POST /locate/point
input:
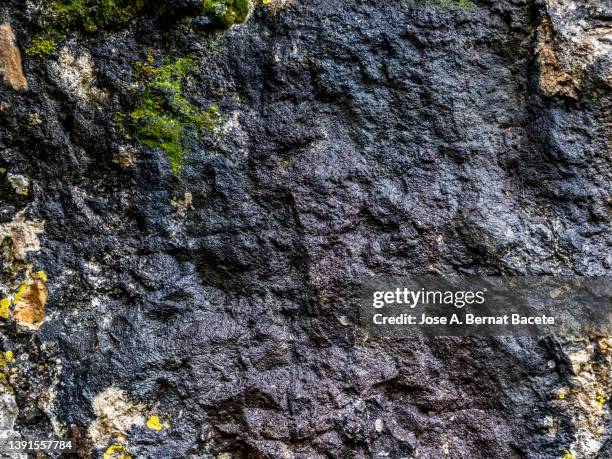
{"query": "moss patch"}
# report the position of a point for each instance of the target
(42, 46)
(6, 358)
(164, 117)
(226, 12)
(91, 15)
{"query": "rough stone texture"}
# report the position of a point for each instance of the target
(358, 138)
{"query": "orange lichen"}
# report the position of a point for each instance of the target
(30, 301)
(10, 59)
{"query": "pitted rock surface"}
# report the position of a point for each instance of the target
(356, 138)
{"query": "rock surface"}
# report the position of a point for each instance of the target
(353, 138)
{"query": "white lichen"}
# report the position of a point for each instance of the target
(115, 415)
(76, 73)
(22, 235)
(19, 183)
(586, 401)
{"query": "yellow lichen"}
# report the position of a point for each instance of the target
(567, 455)
(5, 304)
(6, 359)
(42, 275)
(117, 452)
(276, 5)
(601, 401)
(563, 392)
(22, 289)
(154, 424)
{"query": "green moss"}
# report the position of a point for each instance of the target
(164, 118)
(42, 46)
(226, 12)
(465, 5)
(92, 15)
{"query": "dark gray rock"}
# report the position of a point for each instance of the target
(359, 138)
